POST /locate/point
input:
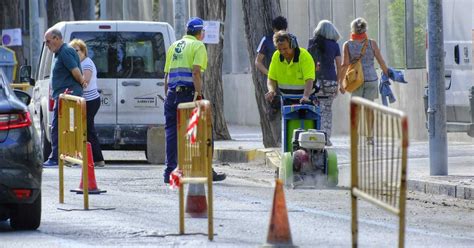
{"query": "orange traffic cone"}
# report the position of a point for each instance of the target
(196, 204)
(91, 175)
(279, 234)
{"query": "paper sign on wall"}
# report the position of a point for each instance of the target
(212, 33)
(11, 37)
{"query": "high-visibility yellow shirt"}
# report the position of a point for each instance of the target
(291, 76)
(181, 56)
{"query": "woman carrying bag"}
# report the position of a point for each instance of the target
(360, 47)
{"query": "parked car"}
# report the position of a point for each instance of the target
(130, 58)
(20, 160)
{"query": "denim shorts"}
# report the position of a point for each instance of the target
(368, 90)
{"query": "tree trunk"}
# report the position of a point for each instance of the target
(10, 18)
(214, 10)
(258, 16)
(58, 10)
(82, 9)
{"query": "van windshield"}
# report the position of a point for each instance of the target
(125, 54)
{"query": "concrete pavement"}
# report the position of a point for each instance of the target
(247, 146)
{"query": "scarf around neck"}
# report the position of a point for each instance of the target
(355, 36)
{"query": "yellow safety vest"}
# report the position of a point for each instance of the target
(291, 77)
(181, 56)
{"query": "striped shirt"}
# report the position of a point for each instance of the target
(90, 93)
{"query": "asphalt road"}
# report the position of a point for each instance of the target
(138, 210)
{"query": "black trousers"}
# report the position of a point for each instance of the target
(92, 108)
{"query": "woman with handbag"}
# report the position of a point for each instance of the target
(362, 49)
(326, 54)
(365, 49)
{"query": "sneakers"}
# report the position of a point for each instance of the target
(166, 178)
(50, 163)
(216, 177)
(99, 164)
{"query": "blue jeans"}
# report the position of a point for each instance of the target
(92, 109)
(54, 133)
(173, 98)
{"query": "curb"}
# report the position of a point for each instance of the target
(229, 155)
(435, 186)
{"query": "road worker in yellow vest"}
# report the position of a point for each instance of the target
(292, 70)
(186, 60)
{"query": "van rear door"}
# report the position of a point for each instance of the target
(140, 84)
(100, 39)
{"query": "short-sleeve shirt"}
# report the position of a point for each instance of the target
(291, 77)
(65, 60)
(327, 69)
(90, 92)
(181, 56)
(267, 48)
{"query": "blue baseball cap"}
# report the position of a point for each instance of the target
(195, 24)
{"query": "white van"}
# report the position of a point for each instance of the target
(458, 32)
(130, 58)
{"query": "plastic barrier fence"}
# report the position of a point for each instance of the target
(72, 137)
(195, 153)
(379, 142)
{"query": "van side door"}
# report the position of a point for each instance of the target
(140, 84)
(457, 29)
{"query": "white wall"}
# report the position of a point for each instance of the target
(240, 105)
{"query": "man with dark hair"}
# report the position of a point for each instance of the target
(266, 48)
(186, 59)
(67, 75)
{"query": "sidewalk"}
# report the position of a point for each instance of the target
(247, 146)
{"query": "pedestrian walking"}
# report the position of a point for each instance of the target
(326, 54)
(365, 49)
(265, 51)
(92, 96)
(186, 60)
(66, 76)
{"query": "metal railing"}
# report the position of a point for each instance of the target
(72, 140)
(379, 143)
(195, 158)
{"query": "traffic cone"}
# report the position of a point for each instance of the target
(279, 234)
(196, 204)
(91, 175)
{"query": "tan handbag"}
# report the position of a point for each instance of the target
(354, 77)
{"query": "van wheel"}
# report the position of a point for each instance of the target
(45, 144)
(27, 216)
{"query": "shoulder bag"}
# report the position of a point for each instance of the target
(354, 77)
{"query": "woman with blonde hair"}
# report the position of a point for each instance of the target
(327, 58)
(353, 50)
(92, 96)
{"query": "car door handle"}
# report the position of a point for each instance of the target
(131, 83)
(160, 83)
